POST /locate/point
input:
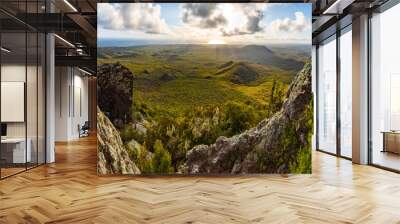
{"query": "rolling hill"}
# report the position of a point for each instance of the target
(238, 72)
(176, 77)
(259, 54)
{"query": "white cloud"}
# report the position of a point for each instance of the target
(233, 23)
(202, 15)
(145, 17)
(299, 24)
(226, 19)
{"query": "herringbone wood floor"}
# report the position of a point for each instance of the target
(69, 191)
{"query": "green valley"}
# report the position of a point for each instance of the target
(176, 77)
(188, 95)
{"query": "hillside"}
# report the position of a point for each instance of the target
(165, 100)
(243, 72)
(258, 54)
(280, 144)
(239, 73)
(229, 137)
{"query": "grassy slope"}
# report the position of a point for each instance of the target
(197, 77)
(182, 94)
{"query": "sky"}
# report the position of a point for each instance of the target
(204, 23)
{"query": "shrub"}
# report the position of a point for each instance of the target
(200, 125)
(144, 162)
(239, 117)
(161, 159)
(129, 133)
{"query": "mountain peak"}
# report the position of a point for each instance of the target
(257, 47)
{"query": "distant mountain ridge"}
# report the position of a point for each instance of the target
(262, 55)
(259, 54)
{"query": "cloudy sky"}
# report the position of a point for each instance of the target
(205, 23)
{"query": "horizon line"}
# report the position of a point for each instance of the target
(226, 44)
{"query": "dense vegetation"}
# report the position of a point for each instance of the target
(185, 96)
(170, 136)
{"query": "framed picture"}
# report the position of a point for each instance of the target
(204, 88)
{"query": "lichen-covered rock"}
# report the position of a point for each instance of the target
(114, 92)
(280, 144)
(112, 155)
(140, 127)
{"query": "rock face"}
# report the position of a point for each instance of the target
(112, 155)
(115, 92)
(274, 146)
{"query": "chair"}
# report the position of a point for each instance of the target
(84, 130)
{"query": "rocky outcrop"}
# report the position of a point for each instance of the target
(115, 92)
(112, 155)
(274, 146)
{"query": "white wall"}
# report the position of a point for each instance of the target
(80, 110)
(71, 87)
(33, 126)
(10, 73)
(16, 73)
(62, 81)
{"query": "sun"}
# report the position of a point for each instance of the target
(215, 42)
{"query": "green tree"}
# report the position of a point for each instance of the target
(239, 117)
(144, 161)
(129, 132)
(161, 159)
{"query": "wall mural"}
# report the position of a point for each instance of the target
(204, 88)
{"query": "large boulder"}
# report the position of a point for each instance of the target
(273, 146)
(115, 92)
(112, 155)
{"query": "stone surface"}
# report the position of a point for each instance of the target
(115, 92)
(112, 155)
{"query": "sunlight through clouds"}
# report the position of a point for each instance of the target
(202, 22)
